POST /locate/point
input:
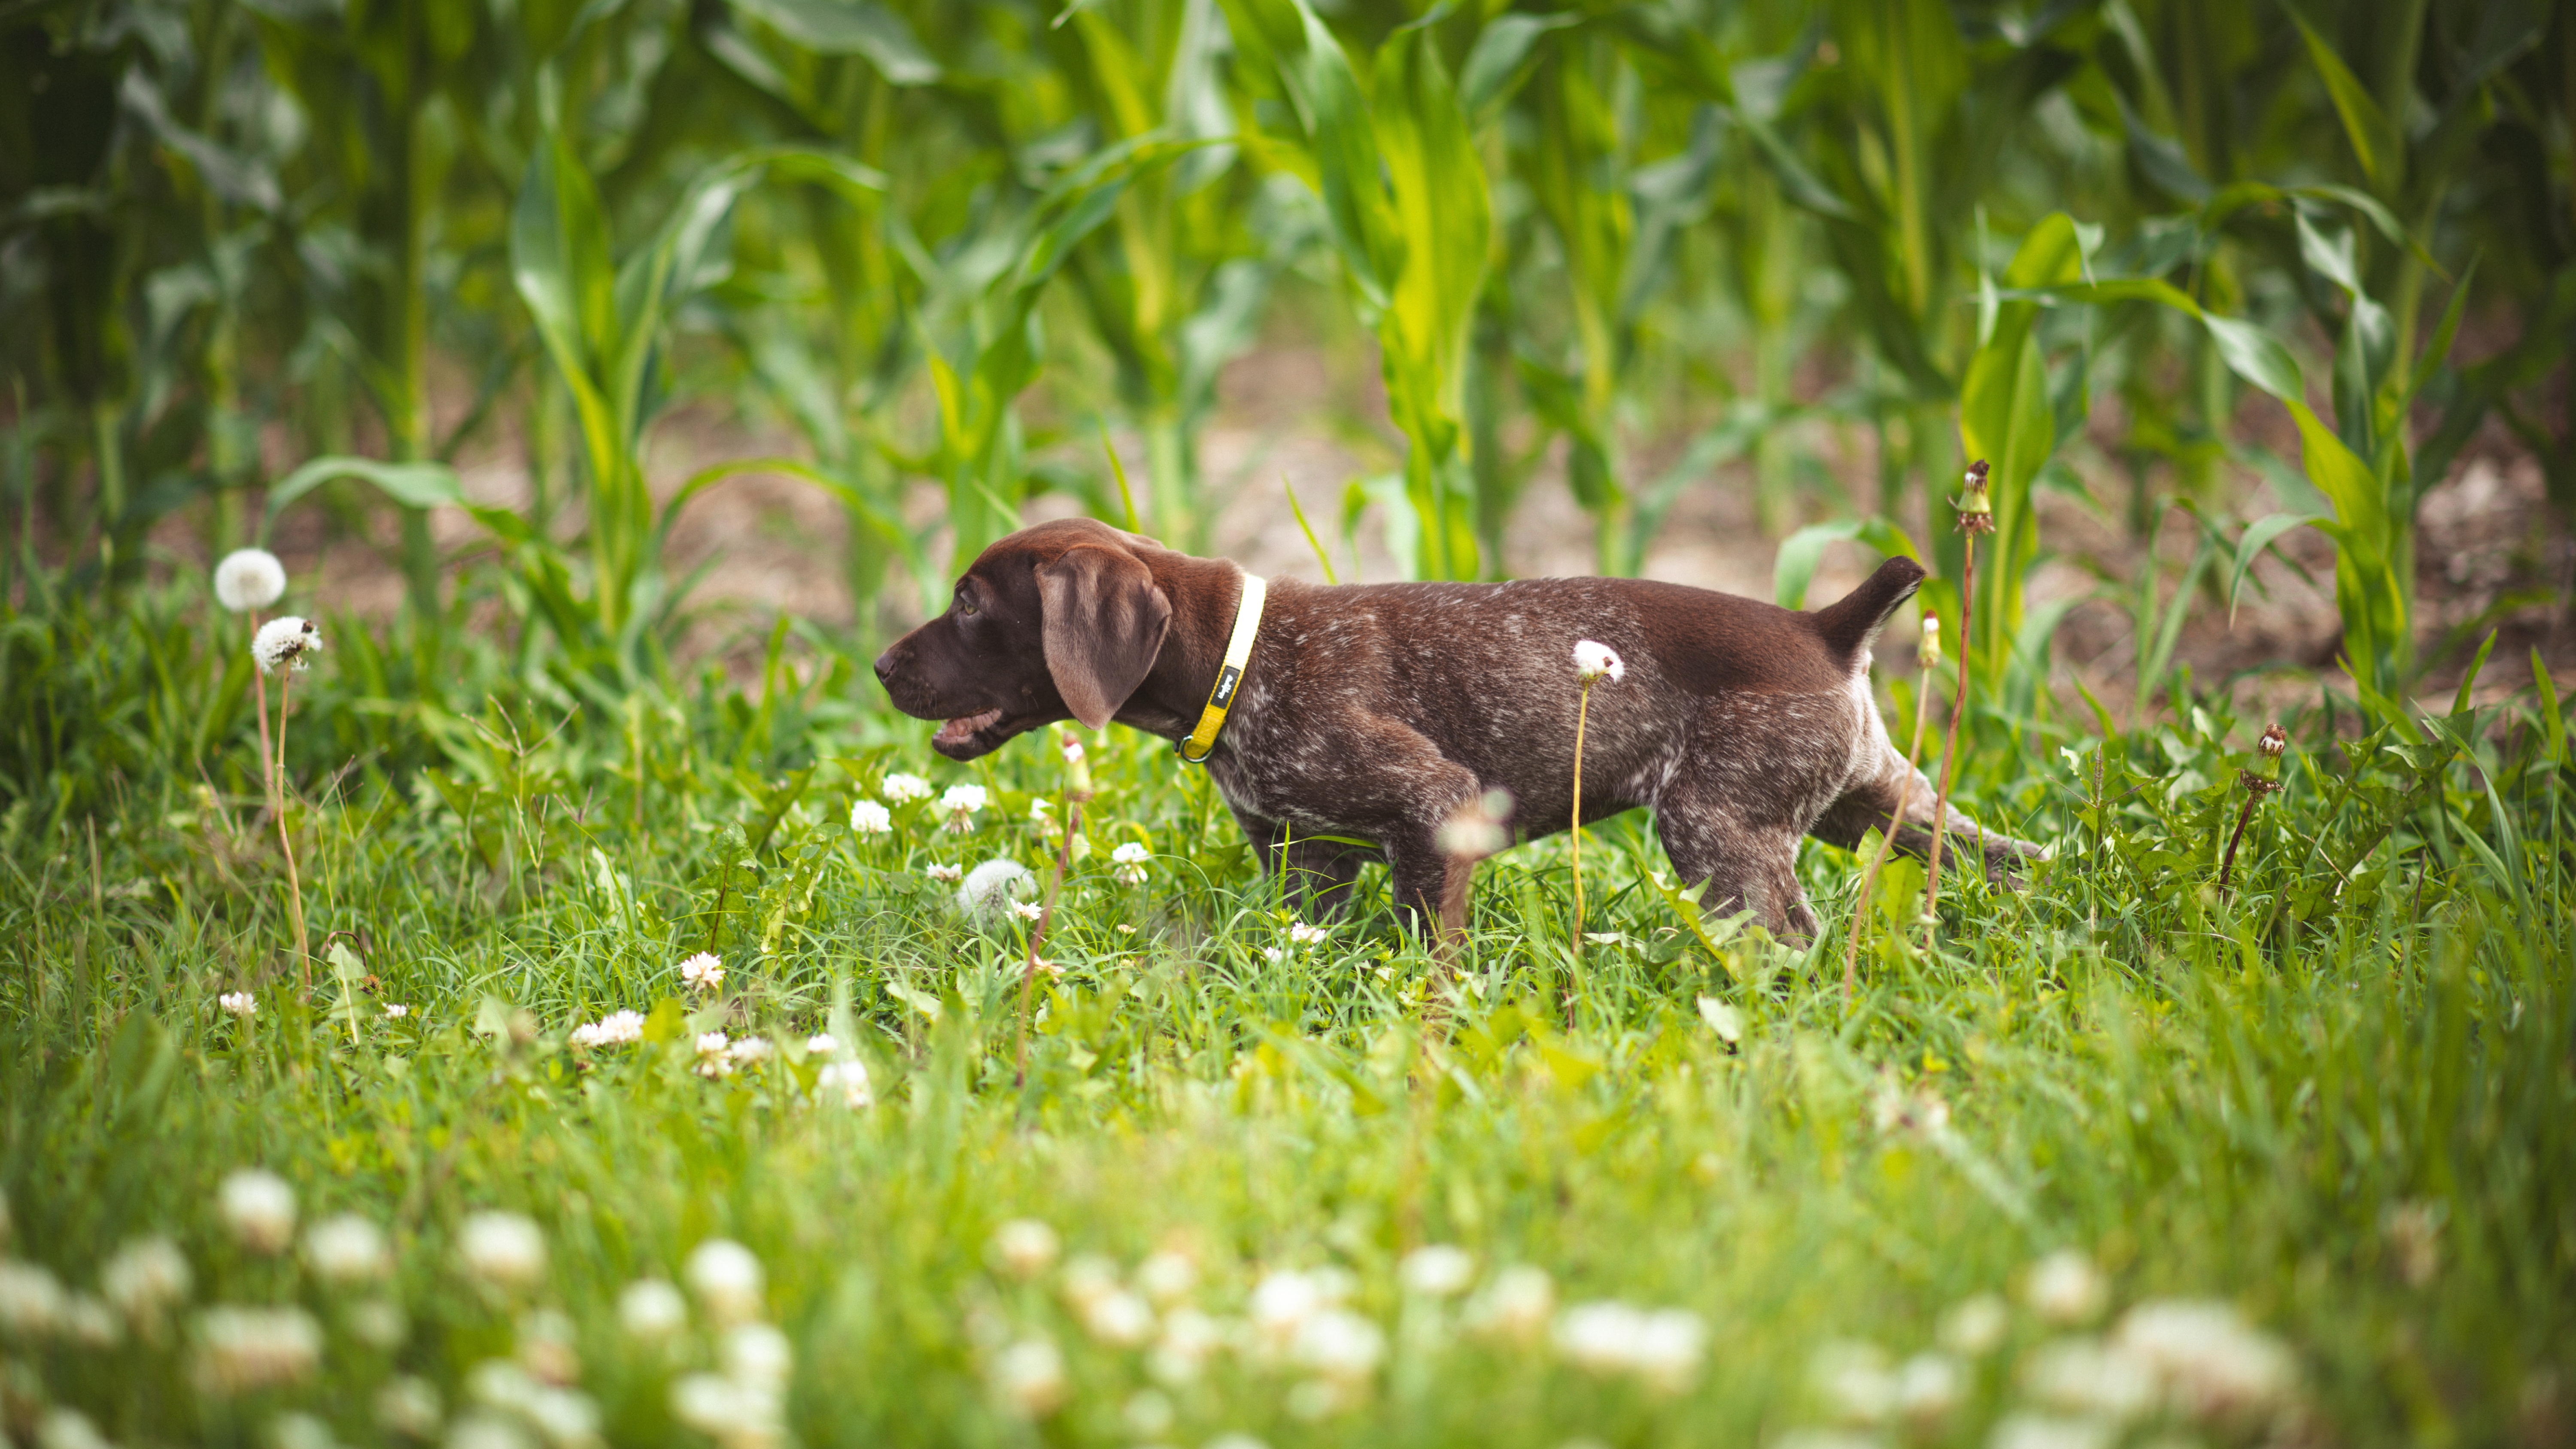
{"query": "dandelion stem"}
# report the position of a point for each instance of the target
(1073, 802)
(286, 842)
(268, 800)
(1904, 797)
(1950, 746)
(1582, 705)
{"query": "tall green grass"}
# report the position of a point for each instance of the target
(2336, 1097)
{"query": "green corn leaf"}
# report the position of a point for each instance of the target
(1505, 51)
(2256, 356)
(413, 485)
(1794, 568)
(849, 27)
(2375, 141)
(2258, 537)
(2552, 723)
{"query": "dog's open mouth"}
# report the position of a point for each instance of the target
(959, 731)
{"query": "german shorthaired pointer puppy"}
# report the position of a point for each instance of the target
(1383, 711)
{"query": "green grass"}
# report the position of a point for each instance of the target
(2339, 1099)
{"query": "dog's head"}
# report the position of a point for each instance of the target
(1058, 621)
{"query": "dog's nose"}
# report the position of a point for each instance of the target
(885, 669)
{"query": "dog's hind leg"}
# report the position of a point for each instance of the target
(1872, 803)
(1747, 866)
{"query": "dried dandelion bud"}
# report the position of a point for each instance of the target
(1928, 653)
(2275, 740)
(1976, 508)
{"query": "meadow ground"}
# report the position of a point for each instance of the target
(2120, 1158)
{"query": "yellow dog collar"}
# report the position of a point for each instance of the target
(1238, 653)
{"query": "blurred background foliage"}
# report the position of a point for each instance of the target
(261, 254)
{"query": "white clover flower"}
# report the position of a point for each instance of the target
(379, 1322)
(757, 1356)
(904, 789)
(1854, 1381)
(238, 1350)
(1596, 660)
(546, 1349)
(945, 874)
(407, 1406)
(239, 1003)
(1024, 1247)
(1130, 860)
(1301, 934)
(961, 802)
(285, 641)
(396, 1010)
(994, 886)
(1118, 1318)
(1285, 1298)
(1338, 1344)
(1039, 808)
(750, 1051)
(1190, 1338)
(2212, 1363)
(1929, 1386)
(821, 1044)
(502, 1250)
(249, 578)
(618, 1028)
(1167, 1276)
(2025, 1430)
(31, 1302)
(1437, 1270)
(348, 1249)
(1028, 910)
(1975, 1326)
(867, 817)
(145, 1279)
(850, 1079)
(2065, 1287)
(2087, 1376)
(1662, 1347)
(259, 1208)
(703, 971)
(89, 1323)
(714, 1060)
(1273, 955)
(652, 1310)
(726, 1277)
(1028, 1377)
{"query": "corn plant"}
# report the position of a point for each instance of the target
(1408, 212)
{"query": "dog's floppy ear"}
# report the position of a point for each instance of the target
(1105, 622)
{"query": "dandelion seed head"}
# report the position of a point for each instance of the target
(249, 578)
(285, 641)
(1595, 660)
(995, 886)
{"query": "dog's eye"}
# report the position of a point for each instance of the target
(965, 605)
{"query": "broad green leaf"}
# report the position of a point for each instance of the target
(413, 485)
(2375, 141)
(2552, 723)
(1501, 60)
(1795, 566)
(2256, 356)
(849, 27)
(2258, 537)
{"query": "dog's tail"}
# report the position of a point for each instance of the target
(1848, 627)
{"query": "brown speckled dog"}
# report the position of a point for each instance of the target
(1380, 711)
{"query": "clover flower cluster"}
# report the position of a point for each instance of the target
(1307, 1329)
(2178, 1366)
(618, 1028)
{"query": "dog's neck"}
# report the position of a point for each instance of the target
(1204, 592)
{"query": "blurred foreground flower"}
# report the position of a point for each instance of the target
(995, 886)
(348, 1249)
(652, 1310)
(259, 1209)
(1516, 1304)
(904, 789)
(2064, 1287)
(31, 1301)
(2210, 1362)
(1023, 1247)
(1437, 1271)
(1661, 1347)
(502, 1250)
(618, 1028)
(238, 1349)
(147, 1278)
(727, 1278)
(849, 1080)
(1028, 1377)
